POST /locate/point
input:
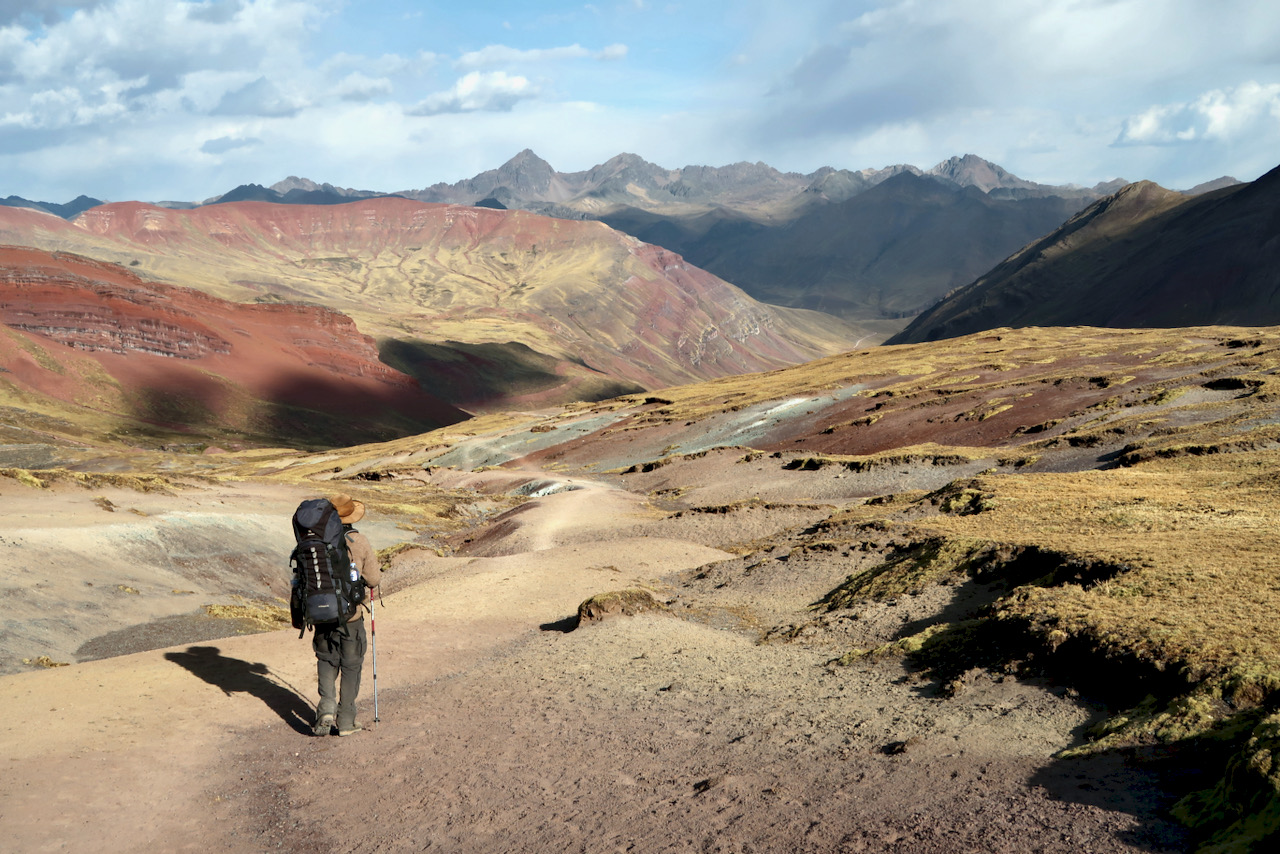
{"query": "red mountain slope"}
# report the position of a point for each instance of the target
(183, 359)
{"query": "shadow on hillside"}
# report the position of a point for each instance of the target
(233, 675)
(299, 410)
(471, 375)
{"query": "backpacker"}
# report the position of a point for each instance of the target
(327, 588)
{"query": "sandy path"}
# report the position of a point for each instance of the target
(500, 732)
(113, 747)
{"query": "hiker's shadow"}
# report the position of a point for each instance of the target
(233, 675)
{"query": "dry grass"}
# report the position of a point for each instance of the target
(1200, 538)
(45, 478)
(252, 615)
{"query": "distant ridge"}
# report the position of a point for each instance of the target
(294, 191)
(73, 208)
(527, 181)
(1143, 257)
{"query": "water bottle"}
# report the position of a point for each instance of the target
(355, 573)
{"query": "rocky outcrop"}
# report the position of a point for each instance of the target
(65, 304)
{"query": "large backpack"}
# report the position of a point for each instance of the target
(327, 588)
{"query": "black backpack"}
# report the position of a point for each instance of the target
(327, 588)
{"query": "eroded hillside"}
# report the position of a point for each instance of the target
(600, 312)
(109, 354)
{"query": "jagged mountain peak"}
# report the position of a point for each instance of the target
(293, 182)
(970, 170)
(526, 161)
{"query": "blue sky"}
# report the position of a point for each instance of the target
(156, 100)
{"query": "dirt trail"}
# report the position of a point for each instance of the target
(500, 732)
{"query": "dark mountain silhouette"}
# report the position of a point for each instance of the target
(247, 193)
(1143, 257)
(76, 206)
(293, 191)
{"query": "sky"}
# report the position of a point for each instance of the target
(155, 100)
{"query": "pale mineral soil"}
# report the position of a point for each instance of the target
(500, 731)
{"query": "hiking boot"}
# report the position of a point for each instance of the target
(355, 728)
(324, 723)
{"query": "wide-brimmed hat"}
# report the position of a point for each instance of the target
(349, 510)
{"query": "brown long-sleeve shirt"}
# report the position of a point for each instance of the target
(366, 560)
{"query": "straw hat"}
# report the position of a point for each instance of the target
(349, 510)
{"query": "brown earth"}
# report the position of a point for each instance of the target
(499, 729)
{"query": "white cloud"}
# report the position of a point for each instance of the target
(357, 87)
(489, 91)
(182, 99)
(1222, 115)
(70, 107)
(1033, 86)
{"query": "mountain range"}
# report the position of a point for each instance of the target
(873, 246)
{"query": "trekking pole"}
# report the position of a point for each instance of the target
(373, 633)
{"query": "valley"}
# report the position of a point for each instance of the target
(1032, 561)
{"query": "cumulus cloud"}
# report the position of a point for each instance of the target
(1057, 91)
(1220, 115)
(1037, 87)
(489, 91)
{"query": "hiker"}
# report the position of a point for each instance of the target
(340, 647)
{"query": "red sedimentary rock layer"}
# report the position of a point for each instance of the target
(178, 340)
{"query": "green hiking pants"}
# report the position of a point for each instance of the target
(339, 652)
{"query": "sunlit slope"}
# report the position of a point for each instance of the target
(602, 304)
